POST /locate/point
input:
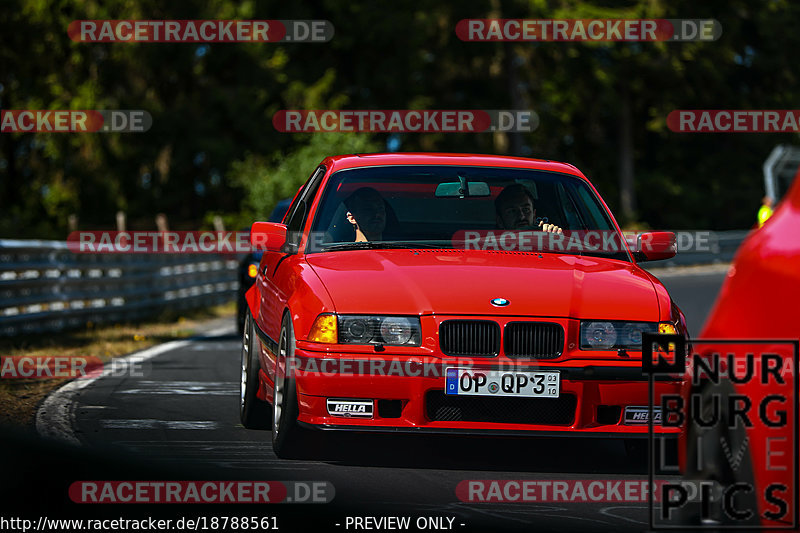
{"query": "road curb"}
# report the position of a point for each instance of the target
(55, 417)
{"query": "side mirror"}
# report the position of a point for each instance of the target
(267, 236)
(656, 245)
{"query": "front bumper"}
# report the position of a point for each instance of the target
(408, 396)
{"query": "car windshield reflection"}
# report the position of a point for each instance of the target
(471, 208)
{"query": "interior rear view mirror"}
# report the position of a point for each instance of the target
(462, 189)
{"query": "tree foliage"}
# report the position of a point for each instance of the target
(212, 149)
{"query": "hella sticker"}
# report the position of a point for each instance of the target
(350, 408)
(639, 415)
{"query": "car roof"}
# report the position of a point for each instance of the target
(340, 162)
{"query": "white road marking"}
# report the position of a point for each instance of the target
(214, 346)
(55, 418)
(151, 423)
(607, 512)
(205, 388)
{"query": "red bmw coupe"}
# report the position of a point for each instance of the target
(740, 398)
(449, 293)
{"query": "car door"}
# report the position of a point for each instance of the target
(277, 271)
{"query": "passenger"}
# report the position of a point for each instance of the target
(515, 211)
(366, 211)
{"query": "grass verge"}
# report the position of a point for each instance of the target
(20, 397)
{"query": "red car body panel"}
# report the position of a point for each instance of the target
(365, 160)
(439, 284)
(560, 285)
(759, 300)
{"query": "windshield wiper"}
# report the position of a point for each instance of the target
(377, 245)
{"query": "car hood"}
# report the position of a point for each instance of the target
(413, 282)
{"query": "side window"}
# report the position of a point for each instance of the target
(298, 211)
(587, 207)
(595, 212)
(293, 206)
(570, 211)
(295, 221)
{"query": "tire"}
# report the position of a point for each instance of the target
(715, 466)
(241, 313)
(254, 413)
(289, 440)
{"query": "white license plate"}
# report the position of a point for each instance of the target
(521, 383)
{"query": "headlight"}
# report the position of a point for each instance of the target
(389, 330)
(613, 335)
(356, 330)
(397, 330)
(598, 335)
(632, 333)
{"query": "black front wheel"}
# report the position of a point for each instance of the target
(289, 440)
(718, 455)
(254, 413)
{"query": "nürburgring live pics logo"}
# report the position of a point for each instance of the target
(740, 416)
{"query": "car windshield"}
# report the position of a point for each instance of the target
(484, 208)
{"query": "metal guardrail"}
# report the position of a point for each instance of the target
(46, 287)
(721, 248)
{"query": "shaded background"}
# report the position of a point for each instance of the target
(213, 151)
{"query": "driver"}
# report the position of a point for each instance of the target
(366, 211)
(514, 210)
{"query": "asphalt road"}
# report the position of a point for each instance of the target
(694, 289)
(181, 413)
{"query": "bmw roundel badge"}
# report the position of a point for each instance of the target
(500, 302)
